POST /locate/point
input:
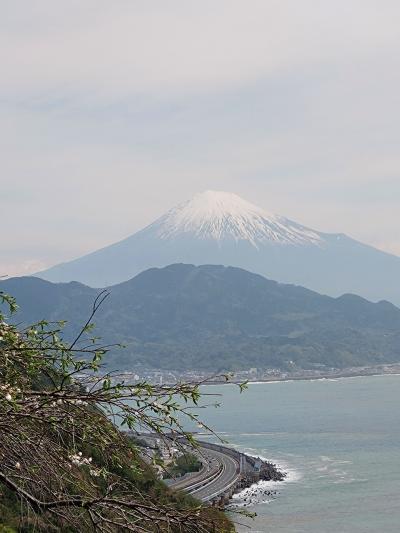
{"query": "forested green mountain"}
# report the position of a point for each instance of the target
(219, 318)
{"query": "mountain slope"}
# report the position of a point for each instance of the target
(223, 216)
(219, 318)
(221, 228)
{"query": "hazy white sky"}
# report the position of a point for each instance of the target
(113, 111)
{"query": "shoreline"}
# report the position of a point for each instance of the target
(171, 377)
(322, 377)
(263, 490)
(350, 373)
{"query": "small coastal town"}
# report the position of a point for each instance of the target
(166, 377)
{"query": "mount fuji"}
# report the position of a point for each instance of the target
(217, 227)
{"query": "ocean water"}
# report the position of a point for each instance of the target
(339, 441)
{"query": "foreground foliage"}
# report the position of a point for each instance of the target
(64, 464)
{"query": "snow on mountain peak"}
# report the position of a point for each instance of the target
(222, 215)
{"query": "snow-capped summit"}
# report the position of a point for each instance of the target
(220, 228)
(220, 215)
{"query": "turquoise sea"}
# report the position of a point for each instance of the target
(339, 441)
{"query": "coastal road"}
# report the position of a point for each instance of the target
(220, 472)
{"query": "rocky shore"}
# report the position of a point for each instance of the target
(270, 472)
(257, 470)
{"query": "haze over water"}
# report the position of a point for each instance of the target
(340, 442)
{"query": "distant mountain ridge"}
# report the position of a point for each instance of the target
(221, 228)
(220, 318)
